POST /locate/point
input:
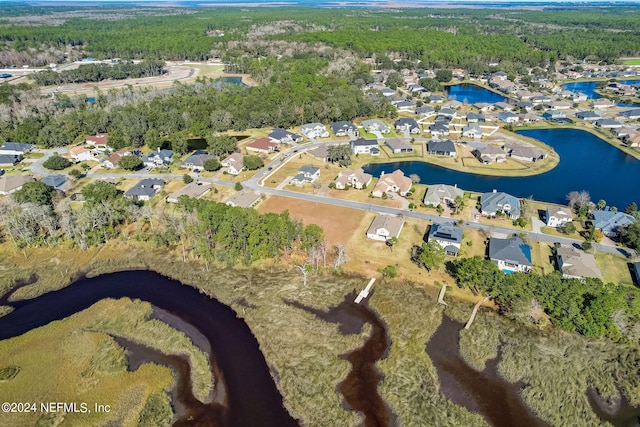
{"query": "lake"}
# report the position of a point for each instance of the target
(586, 163)
(471, 94)
(252, 398)
(589, 89)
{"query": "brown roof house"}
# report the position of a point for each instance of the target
(575, 263)
(244, 199)
(193, 189)
(11, 184)
(234, 163)
(262, 146)
(355, 178)
(395, 182)
(114, 159)
(99, 141)
(385, 227)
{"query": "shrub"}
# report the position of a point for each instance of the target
(212, 165)
(130, 163)
(56, 163)
(186, 178)
(238, 186)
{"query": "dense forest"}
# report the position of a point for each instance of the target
(433, 34)
(588, 307)
(99, 72)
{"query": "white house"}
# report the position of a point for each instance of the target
(314, 130)
(365, 146)
(558, 216)
(385, 227)
(306, 174)
(234, 163)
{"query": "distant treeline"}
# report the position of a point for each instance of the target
(99, 72)
(437, 34)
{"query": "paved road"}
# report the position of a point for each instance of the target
(254, 184)
(37, 168)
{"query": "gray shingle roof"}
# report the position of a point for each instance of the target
(496, 201)
(446, 232)
(512, 250)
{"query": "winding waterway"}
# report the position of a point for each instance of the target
(586, 163)
(360, 388)
(252, 398)
(484, 392)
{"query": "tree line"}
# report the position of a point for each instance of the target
(589, 307)
(99, 72)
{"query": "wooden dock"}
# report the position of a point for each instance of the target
(365, 292)
(475, 310)
(441, 295)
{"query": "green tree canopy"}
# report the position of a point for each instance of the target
(219, 145)
(36, 192)
(130, 163)
(211, 165)
(56, 162)
(98, 191)
(252, 162)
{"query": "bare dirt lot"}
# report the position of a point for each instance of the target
(338, 223)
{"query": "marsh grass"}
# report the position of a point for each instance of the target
(303, 352)
(9, 373)
(64, 362)
(4, 310)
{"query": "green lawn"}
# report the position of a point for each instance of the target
(614, 268)
(631, 62)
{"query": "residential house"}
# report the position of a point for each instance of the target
(195, 161)
(262, 146)
(610, 222)
(425, 111)
(56, 181)
(306, 174)
(365, 146)
(576, 264)
(244, 199)
(484, 106)
(375, 125)
(441, 148)
(475, 118)
(355, 178)
(398, 146)
(632, 140)
(442, 194)
(558, 216)
(385, 227)
(404, 105)
(12, 183)
(490, 154)
(540, 99)
(505, 106)
(145, 189)
(452, 105)
(554, 115)
(16, 148)
(344, 129)
(408, 125)
(414, 88)
(436, 99)
(510, 255)
(99, 141)
(448, 236)
(114, 159)
(527, 154)
(530, 117)
(472, 130)
(314, 130)
(81, 154)
(234, 163)
(508, 117)
(395, 182)
(387, 91)
(527, 105)
(283, 136)
(162, 157)
(608, 123)
(590, 116)
(439, 129)
(578, 97)
(559, 105)
(602, 103)
(448, 112)
(9, 159)
(624, 131)
(193, 190)
(631, 114)
(499, 202)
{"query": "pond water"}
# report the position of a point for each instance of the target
(470, 94)
(231, 80)
(586, 163)
(589, 89)
(252, 398)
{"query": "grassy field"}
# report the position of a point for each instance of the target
(71, 361)
(614, 268)
(631, 61)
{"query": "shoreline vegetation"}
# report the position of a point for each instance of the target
(308, 368)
